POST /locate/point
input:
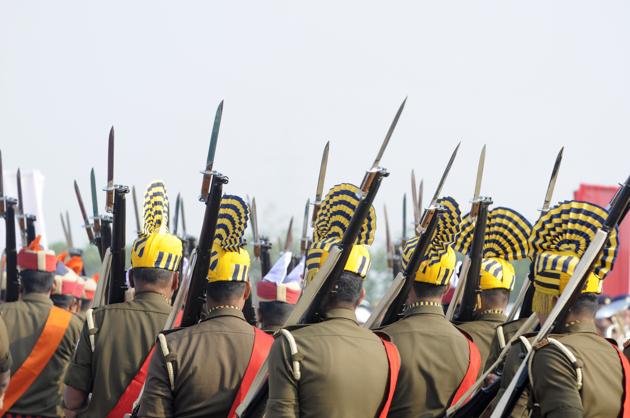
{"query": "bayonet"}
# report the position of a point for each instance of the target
(388, 241)
(181, 209)
(253, 218)
(65, 230)
(414, 198)
(86, 222)
(207, 174)
(20, 210)
(304, 239)
(109, 196)
(474, 211)
(420, 193)
(444, 176)
(176, 220)
(369, 175)
(552, 182)
(320, 183)
(95, 217)
(288, 243)
(70, 240)
(135, 209)
(404, 218)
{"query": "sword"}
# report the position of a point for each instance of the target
(176, 220)
(86, 222)
(207, 174)
(320, 183)
(109, 196)
(135, 209)
(70, 241)
(20, 210)
(370, 174)
(304, 239)
(288, 243)
(388, 241)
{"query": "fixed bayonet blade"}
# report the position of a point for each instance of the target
(304, 238)
(109, 196)
(135, 209)
(65, 230)
(254, 222)
(181, 209)
(86, 222)
(388, 241)
(390, 131)
(552, 182)
(420, 193)
(20, 210)
(70, 240)
(414, 199)
(214, 138)
(321, 178)
(288, 243)
(404, 217)
(176, 220)
(480, 165)
(93, 192)
(444, 176)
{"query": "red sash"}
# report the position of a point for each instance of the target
(43, 350)
(260, 350)
(474, 364)
(132, 392)
(393, 358)
(625, 406)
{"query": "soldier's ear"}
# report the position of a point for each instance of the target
(361, 297)
(175, 282)
(248, 291)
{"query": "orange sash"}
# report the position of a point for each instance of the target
(625, 405)
(45, 347)
(474, 364)
(260, 350)
(393, 358)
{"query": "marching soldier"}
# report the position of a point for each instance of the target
(42, 338)
(575, 373)
(205, 369)
(278, 293)
(112, 355)
(438, 362)
(334, 368)
(505, 240)
(67, 288)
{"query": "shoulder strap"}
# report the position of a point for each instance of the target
(393, 358)
(625, 365)
(566, 352)
(91, 326)
(501, 336)
(43, 350)
(260, 350)
(474, 365)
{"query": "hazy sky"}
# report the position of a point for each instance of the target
(523, 77)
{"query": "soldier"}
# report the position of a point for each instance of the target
(42, 338)
(201, 370)
(67, 289)
(505, 240)
(278, 293)
(438, 362)
(112, 355)
(333, 368)
(575, 372)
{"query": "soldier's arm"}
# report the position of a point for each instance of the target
(157, 397)
(555, 385)
(283, 392)
(78, 378)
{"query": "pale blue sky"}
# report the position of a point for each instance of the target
(524, 77)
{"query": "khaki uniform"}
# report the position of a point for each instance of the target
(555, 379)
(25, 321)
(434, 360)
(125, 332)
(209, 362)
(344, 371)
(508, 329)
(483, 329)
(5, 353)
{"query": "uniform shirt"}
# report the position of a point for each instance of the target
(482, 329)
(210, 359)
(5, 353)
(554, 378)
(434, 359)
(125, 334)
(344, 371)
(508, 329)
(25, 321)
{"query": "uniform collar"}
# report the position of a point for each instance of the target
(225, 312)
(151, 297)
(341, 313)
(490, 316)
(578, 326)
(37, 298)
(424, 309)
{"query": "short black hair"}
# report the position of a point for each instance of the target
(35, 281)
(225, 292)
(585, 305)
(427, 290)
(160, 277)
(346, 289)
(62, 301)
(85, 304)
(495, 298)
(274, 313)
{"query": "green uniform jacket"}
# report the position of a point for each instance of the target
(508, 329)
(344, 371)
(5, 353)
(125, 333)
(483, 329)
(209, 358)
(434, 359)
(25, 321)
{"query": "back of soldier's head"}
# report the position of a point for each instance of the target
(152, 277)
(346, 290)
(425, 290)
(35, 281)
(274, 313)
(225, 292)
(495, 298)
(62, 301)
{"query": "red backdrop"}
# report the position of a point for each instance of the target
(618, 281)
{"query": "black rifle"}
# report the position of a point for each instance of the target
(197, 291)
(471, 288)
(13, 283)
(106, 232)
(117, 283)
(30, 227)
(265, 256)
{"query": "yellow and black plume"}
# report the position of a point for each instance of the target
(155, 208)
(231, 223)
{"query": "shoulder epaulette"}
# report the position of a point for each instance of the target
(540, 344)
